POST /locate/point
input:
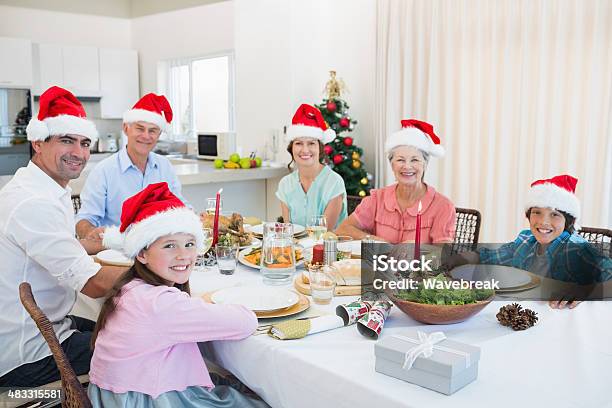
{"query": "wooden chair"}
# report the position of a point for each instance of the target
(467, 230)
(352, 202)
(599, 237)
(76, 202)
(73, 393)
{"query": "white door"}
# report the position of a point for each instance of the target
(81, 70)
(118, 81)
(16, 66)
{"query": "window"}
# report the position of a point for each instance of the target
(201, 93)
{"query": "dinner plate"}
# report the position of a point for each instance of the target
(507, 276)
(302, 305)
(257, 299)
(113, 257)
(297, 229)
(245, 262)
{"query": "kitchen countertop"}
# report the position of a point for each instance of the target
(189, 172)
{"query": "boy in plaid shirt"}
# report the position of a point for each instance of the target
(550, 247)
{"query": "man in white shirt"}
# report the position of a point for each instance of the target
(37, 245)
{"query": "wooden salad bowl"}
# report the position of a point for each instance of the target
(439, 314)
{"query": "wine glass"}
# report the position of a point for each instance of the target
(316, 227)
(211, 204)
(201, 259)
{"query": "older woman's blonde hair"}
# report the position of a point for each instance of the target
(423, 153)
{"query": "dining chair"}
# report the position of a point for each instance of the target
(73, 393)
(76, 202)
(599, 237)
(467, 230)
(352, 202)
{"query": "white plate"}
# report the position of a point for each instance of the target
(112, 257)
(257, 299)
(245, 262)
(258, 229)
(507, 276)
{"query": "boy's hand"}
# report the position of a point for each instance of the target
(561, 304)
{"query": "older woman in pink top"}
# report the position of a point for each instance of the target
(389, 213)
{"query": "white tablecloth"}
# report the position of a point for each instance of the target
(564, 361)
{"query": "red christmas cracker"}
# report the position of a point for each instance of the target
(372, 323)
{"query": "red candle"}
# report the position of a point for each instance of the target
(417, 237)
(317, 254)
(216, 222)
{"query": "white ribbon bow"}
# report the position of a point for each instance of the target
(425, 347)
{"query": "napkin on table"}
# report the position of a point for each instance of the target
(297, 329)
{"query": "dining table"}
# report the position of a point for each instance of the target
(564, 360)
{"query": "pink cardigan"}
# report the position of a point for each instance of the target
(380, 214)
(149, 344)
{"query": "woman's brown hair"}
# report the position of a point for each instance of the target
(321, 153)
(137, 271)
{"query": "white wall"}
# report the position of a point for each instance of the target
(65, 28)
(184, 33)
(284, 51)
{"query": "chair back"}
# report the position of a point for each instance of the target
(599, 237)
(467, 230)
(74, 394)
(352, 202)
(76, 202)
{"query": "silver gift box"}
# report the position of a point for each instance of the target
(444, 371)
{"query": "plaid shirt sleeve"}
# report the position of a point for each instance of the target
(509, 253)
(600, 265)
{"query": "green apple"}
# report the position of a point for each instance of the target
(245, 163)
(258, 161)
(235, 158)
(218, 163)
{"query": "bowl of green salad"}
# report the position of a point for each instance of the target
(437, 300)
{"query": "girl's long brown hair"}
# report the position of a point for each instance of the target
(137, 271)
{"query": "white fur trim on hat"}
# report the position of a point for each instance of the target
(549, 195)
(147, 231)
(143, 115)
(296, 131)
(61, 125)
(412, 136)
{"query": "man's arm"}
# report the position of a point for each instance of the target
(84, 228)
(98, 285)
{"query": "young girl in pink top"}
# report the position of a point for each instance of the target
(389, 214)
(145, 341)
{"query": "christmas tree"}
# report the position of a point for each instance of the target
(342, 154)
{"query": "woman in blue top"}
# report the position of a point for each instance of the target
(313, 188)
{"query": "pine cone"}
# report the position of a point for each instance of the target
(507, 313)
(531, 316)
(521, 322)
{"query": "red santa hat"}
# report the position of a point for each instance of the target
(418, 134)
(150, 108)
(308, 122)
(557, 193)
(149, 215)
(60, 113)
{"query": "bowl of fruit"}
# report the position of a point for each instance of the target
(237, 162)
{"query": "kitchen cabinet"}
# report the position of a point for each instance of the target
(118, 81)
(16, 66)
(81, 70)
(48, 67)
(74, 67)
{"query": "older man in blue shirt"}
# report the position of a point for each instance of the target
(128, 171)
